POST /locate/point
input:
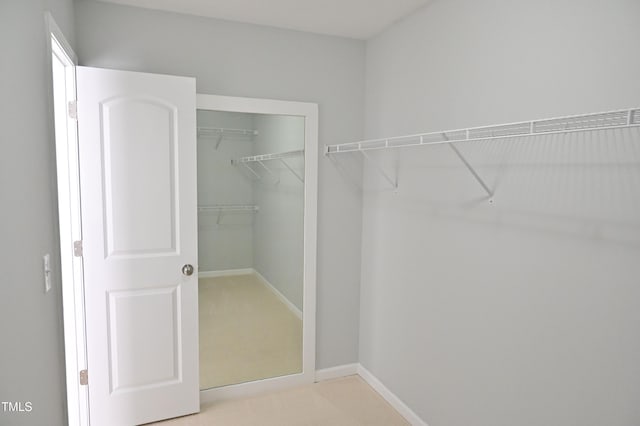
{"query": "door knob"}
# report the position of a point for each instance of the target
(187, 270)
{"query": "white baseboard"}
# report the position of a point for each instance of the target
(390, 397)
(376, 384)
(336, 372)
(293, 308)
(257, 387)
(224, 273)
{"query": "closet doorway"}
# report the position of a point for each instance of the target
(257, 190)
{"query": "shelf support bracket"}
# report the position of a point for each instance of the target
(345, 172)
(269, 171)
(393, 183)
(472, 171)
(253, 172)
(219, 139)
(300, 178)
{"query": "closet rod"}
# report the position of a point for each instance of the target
(619, 119)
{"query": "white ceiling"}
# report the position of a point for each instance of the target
(359, 19)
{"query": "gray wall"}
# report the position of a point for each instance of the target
(246, 60)
(278, 239)
(525, 311)
(226, 243)
(31, 348)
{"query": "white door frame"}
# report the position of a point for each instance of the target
(62, 61)
(310, 113)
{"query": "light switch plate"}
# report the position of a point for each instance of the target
(47, 272)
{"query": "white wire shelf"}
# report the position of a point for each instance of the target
(260, 159)
(215, 131)
(576, 123)
(222, 209)
(218, 133)
(266, 157)
(228, 208)
(620, 119)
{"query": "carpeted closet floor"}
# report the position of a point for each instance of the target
(246, 332)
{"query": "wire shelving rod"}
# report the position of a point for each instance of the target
(220, 132)
(266, 157)
(619, 119)
(228, 208)
(222, 209)
(260, 159)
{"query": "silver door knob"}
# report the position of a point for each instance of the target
(187, 270)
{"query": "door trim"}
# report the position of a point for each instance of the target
(310, 112)
(69, 228)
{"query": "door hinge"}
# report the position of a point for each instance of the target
(77, 248)
(73, 109)
(84, 377)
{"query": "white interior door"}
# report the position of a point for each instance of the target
(138, 188)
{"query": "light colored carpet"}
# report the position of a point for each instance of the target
(348, 401)
(246, 332)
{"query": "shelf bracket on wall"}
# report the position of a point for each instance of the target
(251, 170)
(277, 178)
(385, 175)
(220, 214)
(300, 178)
(220, 136)
(470, 168)
(260, 159)
(473, 172)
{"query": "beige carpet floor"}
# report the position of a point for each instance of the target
(246, 332)
(347, 401)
